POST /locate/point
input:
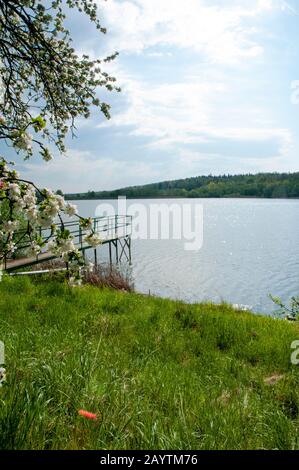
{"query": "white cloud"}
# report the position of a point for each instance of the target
(223, 33)
(173, 115)
(81, 171)
(159, 54)
(195, 163)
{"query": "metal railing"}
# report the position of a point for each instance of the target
(107, 227)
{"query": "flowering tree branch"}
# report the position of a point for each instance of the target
(44, 86)
(39, 212)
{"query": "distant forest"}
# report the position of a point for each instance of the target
(266, 185)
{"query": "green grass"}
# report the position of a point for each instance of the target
(159, 374)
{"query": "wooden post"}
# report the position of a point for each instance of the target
(95, 257)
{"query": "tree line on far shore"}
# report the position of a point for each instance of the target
(262, 185)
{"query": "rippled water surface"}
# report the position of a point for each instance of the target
(250, 249)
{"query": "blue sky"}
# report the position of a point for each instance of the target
(206, 88)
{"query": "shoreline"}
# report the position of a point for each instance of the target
(71, 198)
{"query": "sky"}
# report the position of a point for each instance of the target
(208, 87)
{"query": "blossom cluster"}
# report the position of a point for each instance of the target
(22, 139)
(28, 210)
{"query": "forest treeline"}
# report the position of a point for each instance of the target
(266, 185)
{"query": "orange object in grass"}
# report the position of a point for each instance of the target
(87, 414)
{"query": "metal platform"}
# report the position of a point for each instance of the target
(113, 230)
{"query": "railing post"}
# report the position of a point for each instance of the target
(116, 226)
(110, 254)
(80, 236)
(130, 224)
(130, 256)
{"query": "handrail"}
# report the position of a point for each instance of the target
(107, 226)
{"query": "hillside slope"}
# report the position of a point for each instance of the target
(158, 373)
(267, 185)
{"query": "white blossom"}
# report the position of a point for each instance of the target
(23, 198)
(14, 191)
(10, 226)
(24, 141)
(52, 208)
(92, 239)
(32, 213)
(44, 221)
(29, 197)
(19, 204)
(70, 209)
(52, 246)
(60, 201)
(35, 248)
(48, 192)
(61, 247)
(66, 245)
(11, 247)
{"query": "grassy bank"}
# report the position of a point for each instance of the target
(158, 373)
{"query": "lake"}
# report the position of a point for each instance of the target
(250, 250)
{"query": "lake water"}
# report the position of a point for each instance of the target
(250, 250)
